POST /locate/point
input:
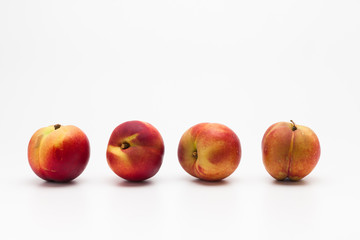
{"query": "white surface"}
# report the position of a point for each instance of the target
(96, 64)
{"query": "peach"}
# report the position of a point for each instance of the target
(209, 151)
(290, 151)
(135, 150)
(58, 153)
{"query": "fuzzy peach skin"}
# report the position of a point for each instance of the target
(58, 153)
(209, 151)
(290, 151)
(135, 150)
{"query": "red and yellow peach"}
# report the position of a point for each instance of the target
(58, 153)
(290, 151)
(209, 151)
(135, 150)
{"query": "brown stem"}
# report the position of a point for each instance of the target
(195, 155)
(124, 145)
(57, 126)
(294, 126)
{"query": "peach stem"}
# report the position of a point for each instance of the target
(124, 145)
(57, 126)
(294, 127)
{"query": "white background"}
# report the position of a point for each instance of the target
(246, 64)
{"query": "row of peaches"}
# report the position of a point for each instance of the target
(208, 151)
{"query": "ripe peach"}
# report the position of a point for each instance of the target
(58, 153)
(209, 151)
(290, 151)
(135, 150)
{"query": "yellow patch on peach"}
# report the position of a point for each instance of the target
(131, 138)
(121, 158)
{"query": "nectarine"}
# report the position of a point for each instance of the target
(290, 151)
(135, 150)
(58, 153)
(209, 151)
